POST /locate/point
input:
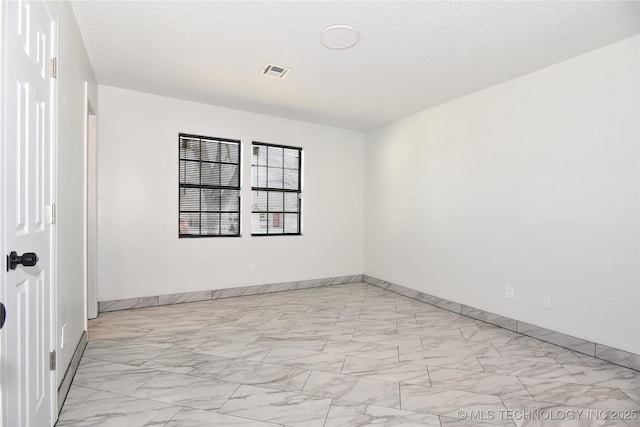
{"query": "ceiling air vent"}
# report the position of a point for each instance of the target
(276, 71)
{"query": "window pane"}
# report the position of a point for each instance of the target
(259, 155)
(229, 224)
(230, 201)
(209, 151)
(229, 175)
(258, 176)
(210, 223)
(190, 148)
(275, 178)
(189, 223)
(275, 157)
(210, 173)
(291, 223)
(189, 172)
(275, 223)
(259, 201)
(291, 159)
(189, 199)
(291, 179)
(210, 200)
(276, 201)
(229, 152)
(258, 223)
(291, 202)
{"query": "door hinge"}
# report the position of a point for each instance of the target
(51, 214)
(53, 71)
(52, 361)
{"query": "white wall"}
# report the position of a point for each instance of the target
(139, 252)
(73, 70)
(533, 183)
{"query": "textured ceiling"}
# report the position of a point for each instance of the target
(411, 55)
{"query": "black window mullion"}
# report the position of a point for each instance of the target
(299, 214)
(266, 169)
(220, 190)
(299, 173)
(200, 195)
(282, 213)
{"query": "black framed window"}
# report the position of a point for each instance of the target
(276, 205)
(209, 200)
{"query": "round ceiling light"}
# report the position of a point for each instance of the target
(339, 37)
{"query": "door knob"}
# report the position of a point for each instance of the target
(28, 259)
(3, 315)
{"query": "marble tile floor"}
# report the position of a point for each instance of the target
(348, 355)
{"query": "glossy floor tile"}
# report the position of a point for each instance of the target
(347, 355)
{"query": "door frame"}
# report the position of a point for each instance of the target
(53, 189)
(91, 206)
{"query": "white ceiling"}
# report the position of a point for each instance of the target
(411, 55)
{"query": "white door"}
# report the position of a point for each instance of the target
(26, 339)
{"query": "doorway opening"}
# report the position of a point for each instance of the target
(91, 209)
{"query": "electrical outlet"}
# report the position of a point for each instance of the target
(546, 301)
(508, 292)
(252, 266)
(62, 337)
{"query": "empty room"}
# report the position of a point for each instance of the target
(320, 213)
